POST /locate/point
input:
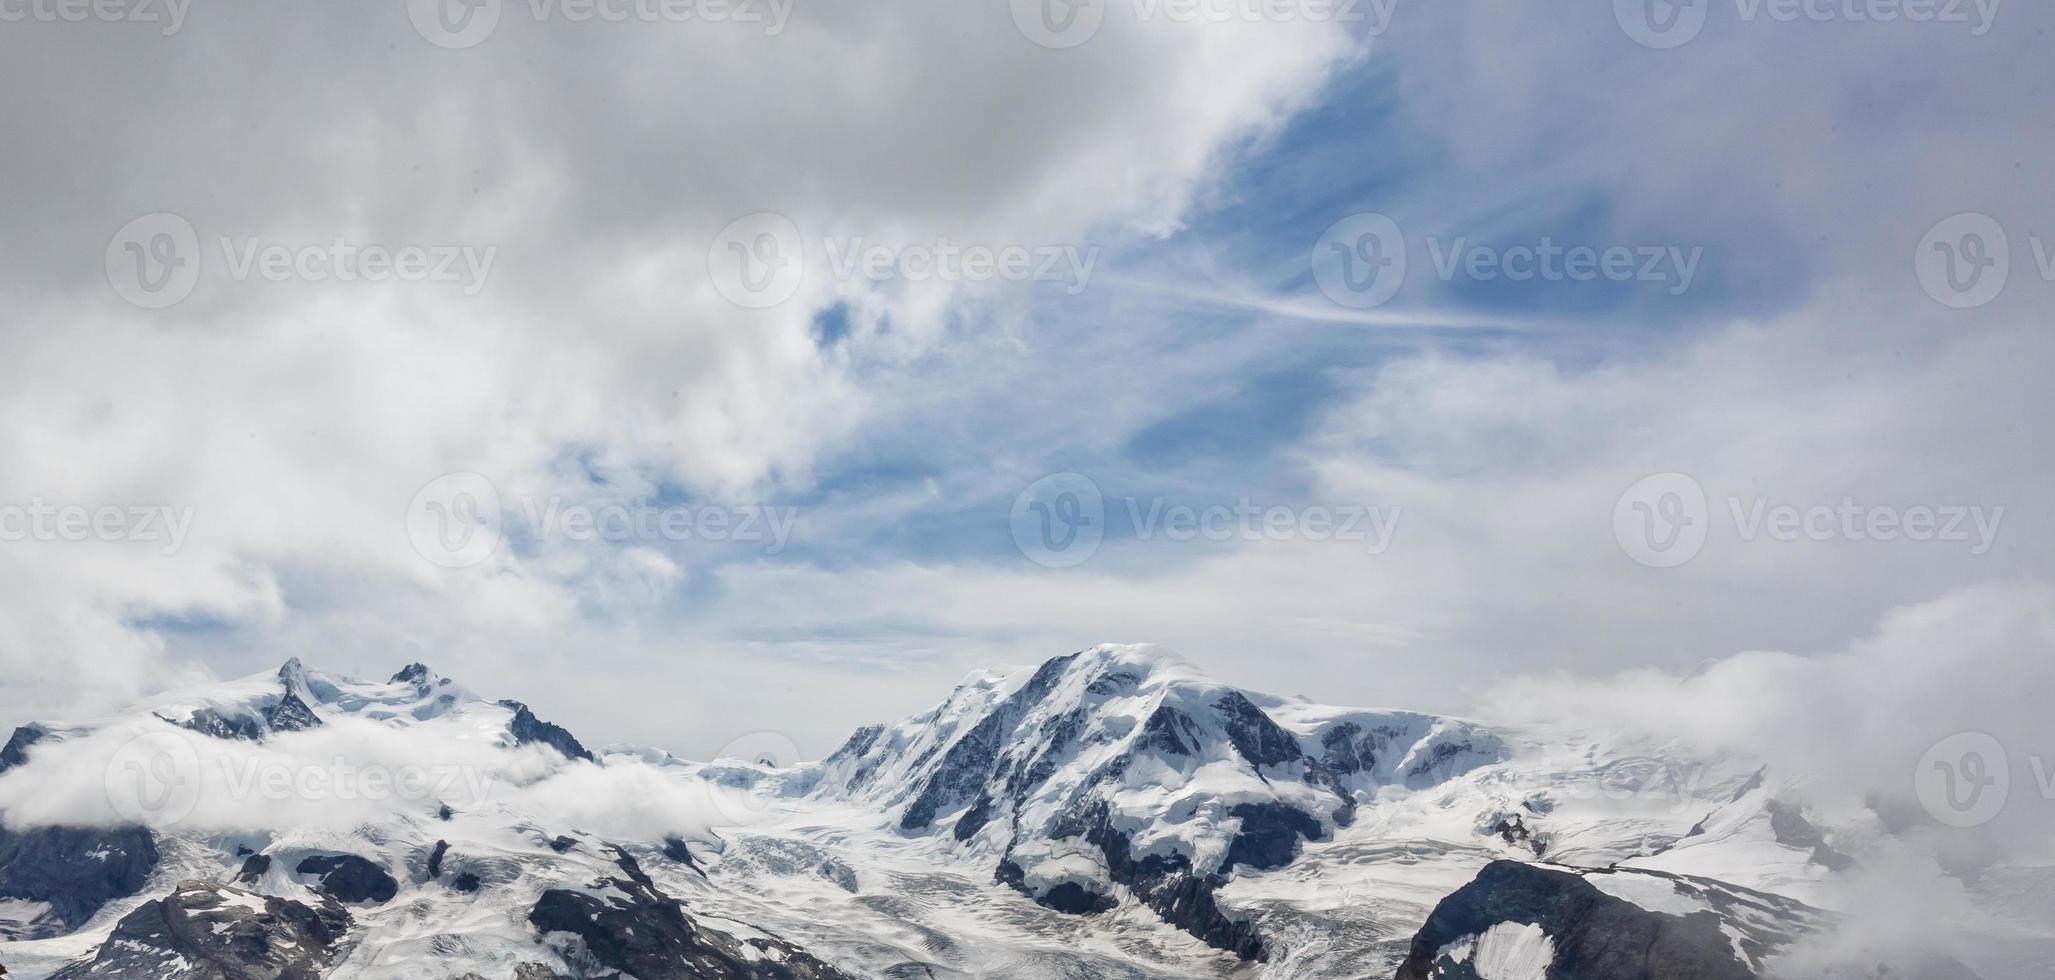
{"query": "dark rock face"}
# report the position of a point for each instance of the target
(291, 714)
(1513, 830)
(562, 844)
(350, 879)
(1791, 828)
(255, 867)
(442, 847)
(1345, 752)
(858, 746)
(1169, 731)
(16, 750)
(1270, 835)
(1254, 735)
(1440, 756)
(529, 729)
(1597, 936)
(466, 882)
(75, 870)
(204, 931)
(674, 848)
(1069, 898)
(637, 930)
(211, 722)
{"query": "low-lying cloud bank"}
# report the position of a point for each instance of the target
(1926, 745)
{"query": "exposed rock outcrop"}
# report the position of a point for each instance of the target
(205, 931)
(74, 871)
(1542, 922)
(350, 879)
(626, 924)
(528, 729)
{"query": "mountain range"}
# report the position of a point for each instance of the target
(1112, 813)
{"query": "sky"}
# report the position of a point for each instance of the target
(695, 371)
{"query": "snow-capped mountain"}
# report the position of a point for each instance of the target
(1111, 813)
(1118, 774)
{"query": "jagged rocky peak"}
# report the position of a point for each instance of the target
(16, 751)
(208, 931)
(528, 729)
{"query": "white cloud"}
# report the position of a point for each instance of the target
(598, 160)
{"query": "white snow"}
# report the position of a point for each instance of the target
(1652, 892)
(1514, 951)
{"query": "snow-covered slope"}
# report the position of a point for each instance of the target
(1120, 774)
(1110, 813)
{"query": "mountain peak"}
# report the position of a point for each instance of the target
(1083, 775)
(1140, 658)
